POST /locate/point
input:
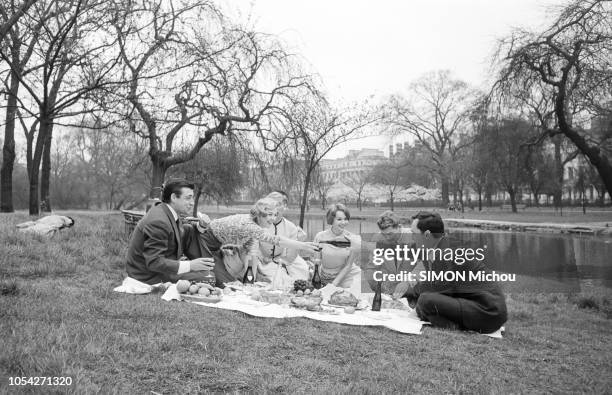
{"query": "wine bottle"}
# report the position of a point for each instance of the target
(316, 278)
(377, 301)
(249, 278)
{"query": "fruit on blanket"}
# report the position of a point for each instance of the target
(182, 286)
(349, 310)
(301, 285)
(207, 286)
(193, 289)
(203, 291)
(316, 293)
(307, 292)
(299, 293)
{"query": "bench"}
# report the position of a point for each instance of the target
(509, 206)
(130, 219)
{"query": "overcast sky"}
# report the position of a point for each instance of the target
(370, 47)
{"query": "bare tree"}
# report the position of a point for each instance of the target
(358, 182)
(392, 175)
(190, 73)
(435, 112)
(73, 58)
(215, 170)
(314, 128)
(321, 186)
(11, 15)
(19, 42)
(506, 140)
(568, 67)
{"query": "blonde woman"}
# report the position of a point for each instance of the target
(243, 232)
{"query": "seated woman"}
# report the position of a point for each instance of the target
(340, 251)
(243, 232)
(391, 235)
(282, 266)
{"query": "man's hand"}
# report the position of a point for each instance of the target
(401, 289)
(200, 264)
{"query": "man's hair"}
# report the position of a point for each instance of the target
(71, 222)
(279, 196)
(331, 213)
(388, 219)
(430, 222)
(175, 186)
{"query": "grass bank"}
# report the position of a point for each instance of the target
(60, 317)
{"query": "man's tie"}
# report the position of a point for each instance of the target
(179, 225)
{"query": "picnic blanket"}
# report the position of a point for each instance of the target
(404, 321)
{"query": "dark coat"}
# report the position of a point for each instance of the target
(155, 247)
(482, 303)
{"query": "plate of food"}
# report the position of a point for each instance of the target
(199, 292)
(343, 298)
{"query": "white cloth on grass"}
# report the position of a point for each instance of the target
(131, 286)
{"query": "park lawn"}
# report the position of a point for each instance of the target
(60, 317)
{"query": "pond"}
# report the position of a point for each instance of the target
(568, 259)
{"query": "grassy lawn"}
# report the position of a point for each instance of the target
(59, 317)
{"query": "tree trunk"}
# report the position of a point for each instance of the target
(512, 194)
(8, 150)
(445, 192)
(479, 200)
(158, 172)
(196, 200)
(45, 176)
(558, 184)
(36, 156)
(393, 201)
(597, 159)
(305, 195)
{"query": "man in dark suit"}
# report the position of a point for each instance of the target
(156, 245)
(473, 305)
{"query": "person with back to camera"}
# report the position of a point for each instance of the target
(472, 305)
(340, 251)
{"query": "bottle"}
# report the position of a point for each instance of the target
(249, 278)
(316, 278)
(377, 301)
(209, 278)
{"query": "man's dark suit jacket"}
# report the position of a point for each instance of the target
(155, 247)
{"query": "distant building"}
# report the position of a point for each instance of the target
(355, 164)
